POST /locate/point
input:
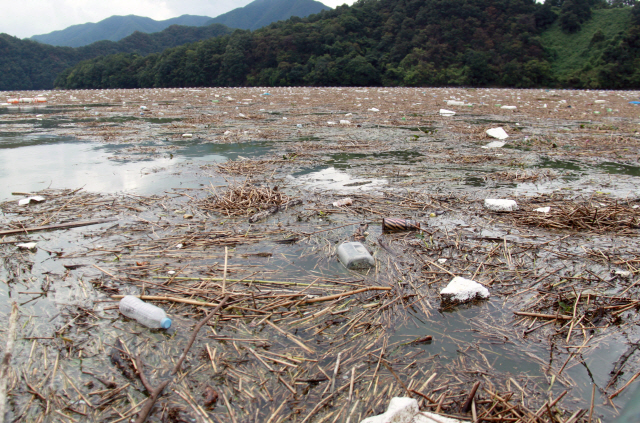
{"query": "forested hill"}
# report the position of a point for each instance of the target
(114, 28)
(263, 12)
(28, 65)
(399, 42)
(391, 42)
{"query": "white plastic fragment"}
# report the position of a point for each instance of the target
(345, 122)
(400, 410)
(187, 135)
(35, 199)
(543, 209)
(623, 273)
(445, 112)
(508, 107)
(461, 290)
(27, 246)
(331, 122)
(442, 260)
(344, 202)
(600, 101)
(500, 205)
(455, 103)
(498, 133)
(494, 144)
(373, 109)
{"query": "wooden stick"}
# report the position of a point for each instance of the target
(224, 273)
(60, 226)
(185, 278)
(593, 395)
(194, 334)
(467, 405)
(543, 316)
(173, 299)
(6, 359)
(616, 393)
(288, 335)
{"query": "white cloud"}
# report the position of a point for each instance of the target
(24, 18)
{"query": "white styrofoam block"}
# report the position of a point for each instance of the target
(445, 112)
(500, 205)
(461, 290)
(426, 417)
(494, 144)
(543, 209)
(400, 410)
(27, 246)
(498, 133)
(36, 199)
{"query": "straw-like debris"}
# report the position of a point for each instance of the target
(521, 175)
(245, 167)
(244, 200)
(594, 215)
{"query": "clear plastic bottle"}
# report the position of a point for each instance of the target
(145, 313)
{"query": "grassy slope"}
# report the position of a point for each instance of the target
(570, 52)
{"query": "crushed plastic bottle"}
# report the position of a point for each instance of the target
(145, 313)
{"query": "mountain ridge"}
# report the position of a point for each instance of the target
(114, 28)
(260, 13)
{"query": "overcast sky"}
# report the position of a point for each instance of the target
(24, 18)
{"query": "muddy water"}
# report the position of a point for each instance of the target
(395, 152)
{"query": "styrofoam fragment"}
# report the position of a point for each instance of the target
(494, 144)
(400, 410)
(35, 199)
(373, 109)
(27, 246)
(445, 112)
(331, 122)
(498, 133)
(500, 205)
(187, 135)
(543, 209)
(461, 290)
(600, 101)
(455, 103)
(508, 107)
(345, 122)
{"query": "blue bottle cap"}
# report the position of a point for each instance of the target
(165, 323)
